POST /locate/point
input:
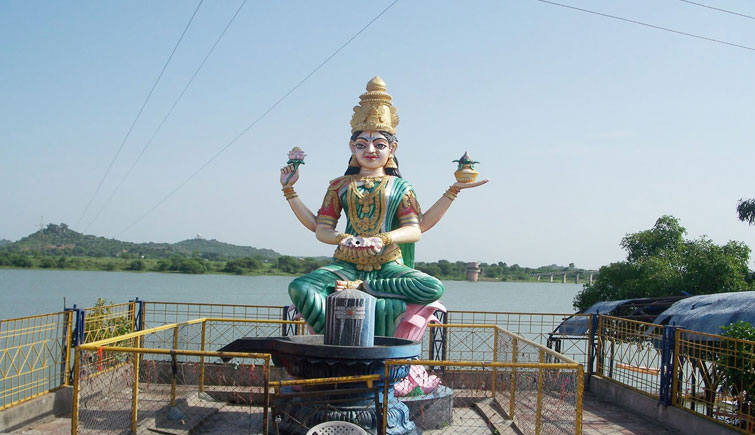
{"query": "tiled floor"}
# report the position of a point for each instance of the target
(599, 418)
(604, 418)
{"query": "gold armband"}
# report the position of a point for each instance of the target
(386, 238)
(288, 192)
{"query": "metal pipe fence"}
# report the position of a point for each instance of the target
(690, 370)
(33, 356)
(715, 378)
(542, 328)
(161, 313)
(511, 384)
(711, 376)
(629, 352)
(122, 386)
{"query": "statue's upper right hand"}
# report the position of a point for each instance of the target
(286, 171)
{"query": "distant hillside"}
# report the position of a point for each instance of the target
(61, 240)
(211, 248)
(4, 242)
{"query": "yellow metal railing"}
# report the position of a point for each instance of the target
(629, 353)
(148, 383)
(34, 360)
(33, 356)
(502, 378)
(151, 385)
(161, 313)
(105, 321)
(538, 327)
(715, 378)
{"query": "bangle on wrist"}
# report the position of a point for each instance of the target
(386, 238)
(341, 237)
(451, 193)
(288, 192)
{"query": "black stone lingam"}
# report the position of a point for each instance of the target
(348, 348)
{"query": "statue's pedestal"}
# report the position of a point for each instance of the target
(433, 410)
(294, 416)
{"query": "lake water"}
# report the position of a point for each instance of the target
(29, 292)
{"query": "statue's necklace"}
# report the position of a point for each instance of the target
(366, 209)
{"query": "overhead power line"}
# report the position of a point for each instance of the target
(167, 115)
(666, 29)
(718, 9)
(146, 100)
(259, 118)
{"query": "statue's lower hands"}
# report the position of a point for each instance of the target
(374, 245)
(362, 246)
(289, 175)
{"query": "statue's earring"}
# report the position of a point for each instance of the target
(353, 162)
(391, 164)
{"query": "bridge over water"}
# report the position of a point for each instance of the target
(575, 273)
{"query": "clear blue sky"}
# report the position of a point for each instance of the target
(588, 127)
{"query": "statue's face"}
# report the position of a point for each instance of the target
(372, 150)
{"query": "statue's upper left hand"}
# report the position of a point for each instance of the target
(286, 171)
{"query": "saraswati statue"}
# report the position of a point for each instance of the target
(375, 253)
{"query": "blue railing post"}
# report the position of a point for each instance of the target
(438, 337)
(289, 313)
(667, 364)
(67, 343)
(77, 334)
(592, 346)
(138, 314)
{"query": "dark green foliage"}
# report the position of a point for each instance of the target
(746, 211)
(429, 268)
(660, 262)
(288, 264)
(20, 261)
(501, 271)
(137, 265)
(101, 324)
(212, 248)
(192, 265)
(738, 355)
(244, 265)
(735, 365)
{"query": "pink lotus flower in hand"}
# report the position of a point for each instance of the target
(296, 153)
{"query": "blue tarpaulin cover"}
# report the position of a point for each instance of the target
(707, 313)
(581, 324)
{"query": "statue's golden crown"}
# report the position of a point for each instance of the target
(375, 111)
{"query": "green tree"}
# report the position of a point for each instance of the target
(136, 265)
(746, 211)
(192, 265)
(21, 260)
(732, 364)
(445, 267)
(429, 268)
(288, 264)
(660, 262)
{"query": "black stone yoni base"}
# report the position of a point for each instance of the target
(307, 357)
